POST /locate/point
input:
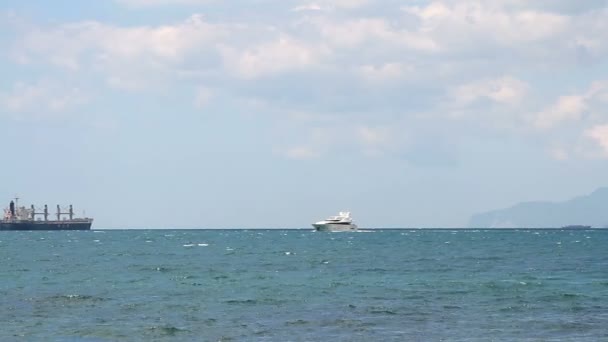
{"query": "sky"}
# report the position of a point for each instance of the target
(276, 114)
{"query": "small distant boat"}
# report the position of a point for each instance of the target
(339, 223)
(576, 226)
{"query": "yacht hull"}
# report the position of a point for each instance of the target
(329, 227)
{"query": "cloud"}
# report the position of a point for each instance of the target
(505, 90)
(570, 107)
(346, 3)
(385, 72)
(130, 56)
(329, 137)
(301, 153)
(455, 23)
(156, 3)
(308, 7)
(325, 4)
(42, 99)
(373, 63)
(376, 141)
(567, 108)
(283, 54)
(599, 134)
(329, 5)
(375, 47)
(497, 104)
(351, 33)
(123, 54)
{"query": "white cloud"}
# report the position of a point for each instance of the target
(384, 72)
(308, 7)
(167, 42)
(599, 134)
(129, 83)
(567, 108)
(352, 33)
(325, 4)
(473, 21)
(570, 107)
(154, 3)
(301, 153)
(122, 53)
(128, 54)
(281, 55)
(329, 5)
(346, 3)
(312, 142)
(375, 141)
(41, 99)
(338, 136)
(377, 48)
(343, 59)
(505, 90)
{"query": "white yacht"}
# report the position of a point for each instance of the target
(339, 223)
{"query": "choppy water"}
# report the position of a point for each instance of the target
(206, 285)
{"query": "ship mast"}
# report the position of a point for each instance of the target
(45, 213)
(70, 212)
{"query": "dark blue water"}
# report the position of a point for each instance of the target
(269, 285)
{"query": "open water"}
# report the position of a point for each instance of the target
(290, 285)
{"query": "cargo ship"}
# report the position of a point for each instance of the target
(22, 218)
(576, 226)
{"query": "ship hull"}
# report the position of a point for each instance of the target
(46, 225)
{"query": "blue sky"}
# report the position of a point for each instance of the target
(256, 113)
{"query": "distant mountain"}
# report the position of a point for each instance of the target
(589, 210)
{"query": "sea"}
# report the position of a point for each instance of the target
(300, 285)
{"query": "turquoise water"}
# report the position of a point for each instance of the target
(289, 285)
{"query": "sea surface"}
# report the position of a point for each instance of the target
(299, 285)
